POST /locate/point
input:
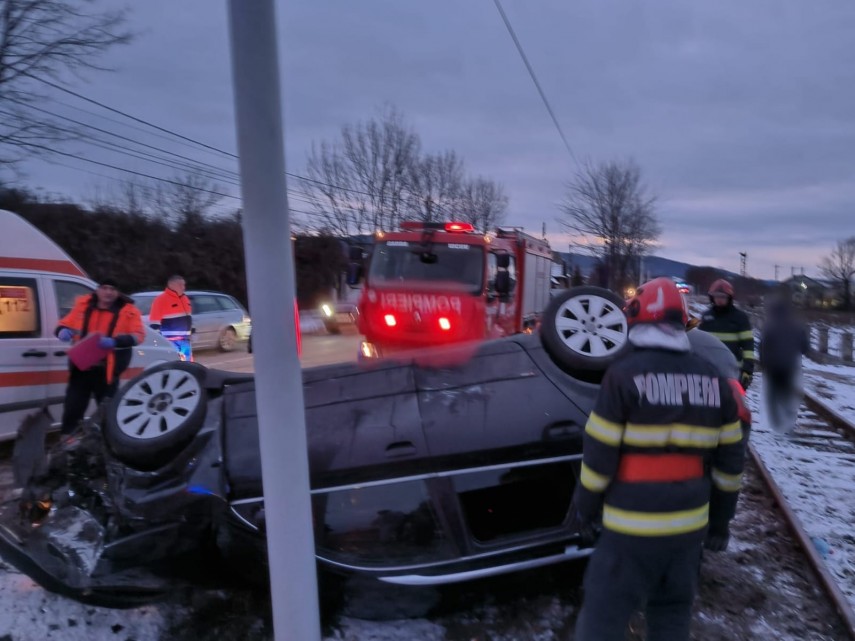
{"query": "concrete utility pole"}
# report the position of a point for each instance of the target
(270, 280)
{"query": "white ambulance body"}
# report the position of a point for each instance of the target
(38, 285)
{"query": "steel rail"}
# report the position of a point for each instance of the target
(822, 410)
(829, 584)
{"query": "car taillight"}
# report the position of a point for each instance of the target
(390, 320)
(444, 324)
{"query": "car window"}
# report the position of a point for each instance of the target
(203, 303)
(66, 293)
(493, 269)
(19, 308)
(143, 303)
(226, 302)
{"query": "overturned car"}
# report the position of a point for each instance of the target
(420, 473)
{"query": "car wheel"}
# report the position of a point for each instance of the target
(156, 414)
(584, 329)
(228, 340)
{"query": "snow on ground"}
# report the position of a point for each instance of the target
(30, 613)
(817, 478)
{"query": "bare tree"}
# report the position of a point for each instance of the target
(39, 40)
(436, 186)
(839, 266)
(483, 203)
(187, 200)
(608, 210)
(360, 183)
(331, 192)
(135, 196)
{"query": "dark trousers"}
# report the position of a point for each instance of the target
(628, 573)
(83, 386)
(783, 397)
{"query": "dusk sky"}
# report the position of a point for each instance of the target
(740, 114)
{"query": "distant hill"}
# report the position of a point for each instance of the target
(653, 265)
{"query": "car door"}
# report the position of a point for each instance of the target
(370, 468)
(60, 292)
(207, 320)
(24, 349)
(506, 441)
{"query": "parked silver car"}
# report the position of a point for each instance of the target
(219, 321)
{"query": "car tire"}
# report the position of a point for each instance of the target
(227, 340)
(156, 414)
(584, 330)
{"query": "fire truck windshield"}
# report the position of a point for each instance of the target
(399, 261)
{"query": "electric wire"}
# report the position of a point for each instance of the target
(534, 79)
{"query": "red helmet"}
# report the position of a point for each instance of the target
(721, 286)
(658, 301)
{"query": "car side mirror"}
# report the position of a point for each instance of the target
(503, 283)
(354, 274)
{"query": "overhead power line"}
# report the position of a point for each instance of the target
(183, 137)
(231, 174)
(134, 118)
(117, 168)
(534, 79)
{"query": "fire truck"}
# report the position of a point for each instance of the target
(438, 283)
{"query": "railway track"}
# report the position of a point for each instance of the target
(811, 475)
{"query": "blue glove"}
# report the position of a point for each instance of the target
(65, 335)
(107, 343)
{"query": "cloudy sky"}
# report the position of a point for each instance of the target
(740, 113)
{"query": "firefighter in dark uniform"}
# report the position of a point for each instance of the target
(732, 326)
(662, 466)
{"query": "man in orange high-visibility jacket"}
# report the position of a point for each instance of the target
(112, 315)
(171, 315)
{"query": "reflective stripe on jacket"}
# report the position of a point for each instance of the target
(733, 328)
(657, 402)
(171, 315)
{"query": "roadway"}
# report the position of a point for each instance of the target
(318, 349)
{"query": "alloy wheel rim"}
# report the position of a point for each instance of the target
(158, 404)
(591, 325)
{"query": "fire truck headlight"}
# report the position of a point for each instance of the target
(368, 350)
(390, 320)
(444, 324)
(326, 309)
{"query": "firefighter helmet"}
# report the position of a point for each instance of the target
(657, 301)
(721, 286)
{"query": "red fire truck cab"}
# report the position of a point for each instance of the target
(440, 283)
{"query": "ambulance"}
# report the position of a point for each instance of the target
(38, 285)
